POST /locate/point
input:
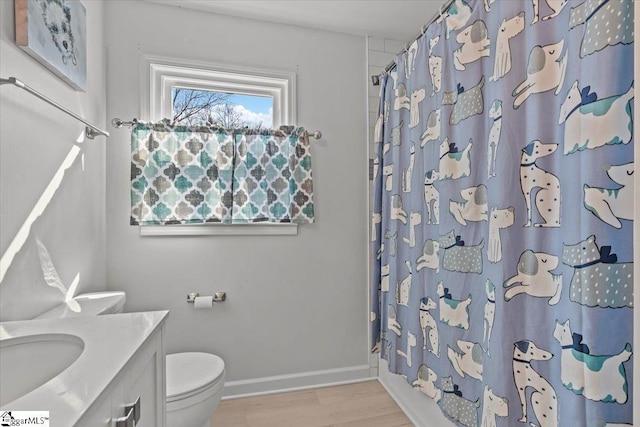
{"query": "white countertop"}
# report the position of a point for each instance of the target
(110, 342)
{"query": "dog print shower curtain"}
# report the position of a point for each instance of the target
(502, 225)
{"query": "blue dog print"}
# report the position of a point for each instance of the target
(616, 16)
(466, 103)
(598, 279)
(456, 406)
(458, 257)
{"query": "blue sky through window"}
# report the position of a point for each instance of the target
(255, 109)
(251, 110)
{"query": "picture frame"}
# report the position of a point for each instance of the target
(54, 33)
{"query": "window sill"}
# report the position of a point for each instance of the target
(259, 229)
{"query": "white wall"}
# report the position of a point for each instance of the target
(295, 304)
(35, 140)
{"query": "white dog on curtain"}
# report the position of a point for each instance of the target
(475, 45)
(600, 378)
(612, 204)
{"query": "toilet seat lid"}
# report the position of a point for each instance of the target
(191, 371)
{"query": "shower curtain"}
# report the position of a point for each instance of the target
(502, 275)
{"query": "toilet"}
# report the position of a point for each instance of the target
(194, 388)
(195, 380)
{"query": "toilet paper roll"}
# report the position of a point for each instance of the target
(201, 303)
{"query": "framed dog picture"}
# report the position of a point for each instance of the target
(54, 33)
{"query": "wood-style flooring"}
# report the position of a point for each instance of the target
(365, 404)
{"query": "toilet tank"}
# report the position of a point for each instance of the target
(90, 304)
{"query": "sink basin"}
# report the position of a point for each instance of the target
(28, 362)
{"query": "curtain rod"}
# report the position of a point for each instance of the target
(390, 65)
(91, 131)
(118, 123)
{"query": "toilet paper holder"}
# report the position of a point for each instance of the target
(217, 297)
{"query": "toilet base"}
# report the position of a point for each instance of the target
(193, 417)
(198, 414)
(179, 423)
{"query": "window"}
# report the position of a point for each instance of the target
(191, 92)
(238, 84)
(223, 109)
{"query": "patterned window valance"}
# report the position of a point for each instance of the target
(199, 174)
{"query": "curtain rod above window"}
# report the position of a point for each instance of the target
(390, 65)
(118, 123)
(91, 131)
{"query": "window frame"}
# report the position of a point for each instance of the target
(159, 75)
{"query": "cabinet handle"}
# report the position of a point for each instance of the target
(126, 421)
(135, 407)
(133, 415)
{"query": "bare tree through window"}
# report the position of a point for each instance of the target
(226, 116)
(194, 106)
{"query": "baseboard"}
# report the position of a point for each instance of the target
(398, 396)
(421, 410)
(293, 382)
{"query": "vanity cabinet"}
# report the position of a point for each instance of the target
(147, 383)
(141, 378)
